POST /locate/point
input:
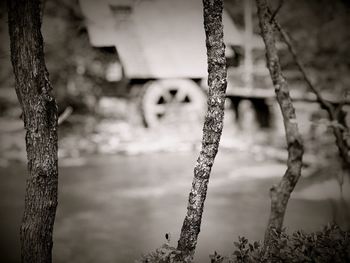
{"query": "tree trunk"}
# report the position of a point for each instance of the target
(280, 193)
(39, 108)
(213, 124)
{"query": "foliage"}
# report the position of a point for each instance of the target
(164, 254)
(331, 244)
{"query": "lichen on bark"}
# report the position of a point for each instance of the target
(212, 129)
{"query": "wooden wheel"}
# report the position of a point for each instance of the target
(172, 101)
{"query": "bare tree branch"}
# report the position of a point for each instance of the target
(288, 41)
(280, 193)
(335, 114)
(280, 4)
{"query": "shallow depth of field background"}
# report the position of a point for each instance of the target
(123, 186)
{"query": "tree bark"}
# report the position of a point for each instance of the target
(39, 108)
(281, 192)
(213, 124)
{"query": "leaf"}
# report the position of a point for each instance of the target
(256, 245)
(251, 247)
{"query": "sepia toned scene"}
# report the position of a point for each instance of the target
(174, 131)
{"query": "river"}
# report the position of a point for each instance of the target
(114, 208)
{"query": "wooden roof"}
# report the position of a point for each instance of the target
(158, 38)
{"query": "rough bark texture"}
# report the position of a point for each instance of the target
(280, 193)
(335, 114)
(40, 121)
(213, 124)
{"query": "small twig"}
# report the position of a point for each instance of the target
(67, 112)
(18, 126)
(280, 4)
(341, 104)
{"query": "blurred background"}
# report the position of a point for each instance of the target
(130, 80)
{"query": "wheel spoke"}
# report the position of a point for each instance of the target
(159, 108)
(167, 96)
(180, 95)
(191, 107)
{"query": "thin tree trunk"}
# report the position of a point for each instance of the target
(213, 124)
(281, 192)
(34, 90)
